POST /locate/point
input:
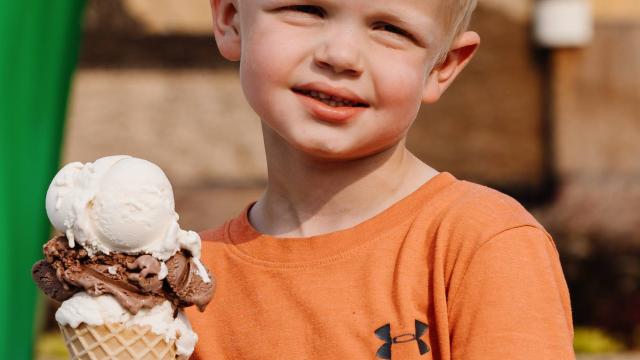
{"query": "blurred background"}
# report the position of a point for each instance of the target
(548, 112)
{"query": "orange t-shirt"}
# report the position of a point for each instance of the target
(455, 270)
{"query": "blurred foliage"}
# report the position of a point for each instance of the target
(50, 346)
(594, 341)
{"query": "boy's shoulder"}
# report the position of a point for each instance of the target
(487, 206)
(474, 213)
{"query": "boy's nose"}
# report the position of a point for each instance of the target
(341, 55)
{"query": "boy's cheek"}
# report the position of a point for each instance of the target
(269, 58)
(258, 74)
(401, 88)
(258, 59)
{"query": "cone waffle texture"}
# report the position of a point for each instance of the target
(115, 341)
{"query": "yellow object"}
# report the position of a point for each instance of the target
(50, 346)
(588, 340)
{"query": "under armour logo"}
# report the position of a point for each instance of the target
(384, 334)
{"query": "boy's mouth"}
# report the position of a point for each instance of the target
(331, 100)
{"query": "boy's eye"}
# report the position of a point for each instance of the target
(307, 9)
(393, 29)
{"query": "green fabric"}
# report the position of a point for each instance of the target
(38, 51)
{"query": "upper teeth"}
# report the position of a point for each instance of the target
(329, 99)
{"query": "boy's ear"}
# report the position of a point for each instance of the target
(226, 28)
(444, 73)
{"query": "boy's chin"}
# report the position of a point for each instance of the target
(328, 157)
(330, 154)
(321, 148)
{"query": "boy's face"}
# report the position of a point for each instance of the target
(374, 56)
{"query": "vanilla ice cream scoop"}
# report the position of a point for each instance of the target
(133, 207)
(120, 204)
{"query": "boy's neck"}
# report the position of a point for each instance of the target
(307, 197)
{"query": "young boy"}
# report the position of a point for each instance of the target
(357, 249)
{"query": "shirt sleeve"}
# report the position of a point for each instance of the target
(513, 301)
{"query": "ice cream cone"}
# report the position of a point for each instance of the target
(123, 263)
(115, 341)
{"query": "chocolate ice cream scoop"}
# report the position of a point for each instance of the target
(184, 280)
(134, 281)
(148, 277)
(45, 276)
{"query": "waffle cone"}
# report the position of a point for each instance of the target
(115, 341)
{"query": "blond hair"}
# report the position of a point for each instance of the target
(456, 21)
